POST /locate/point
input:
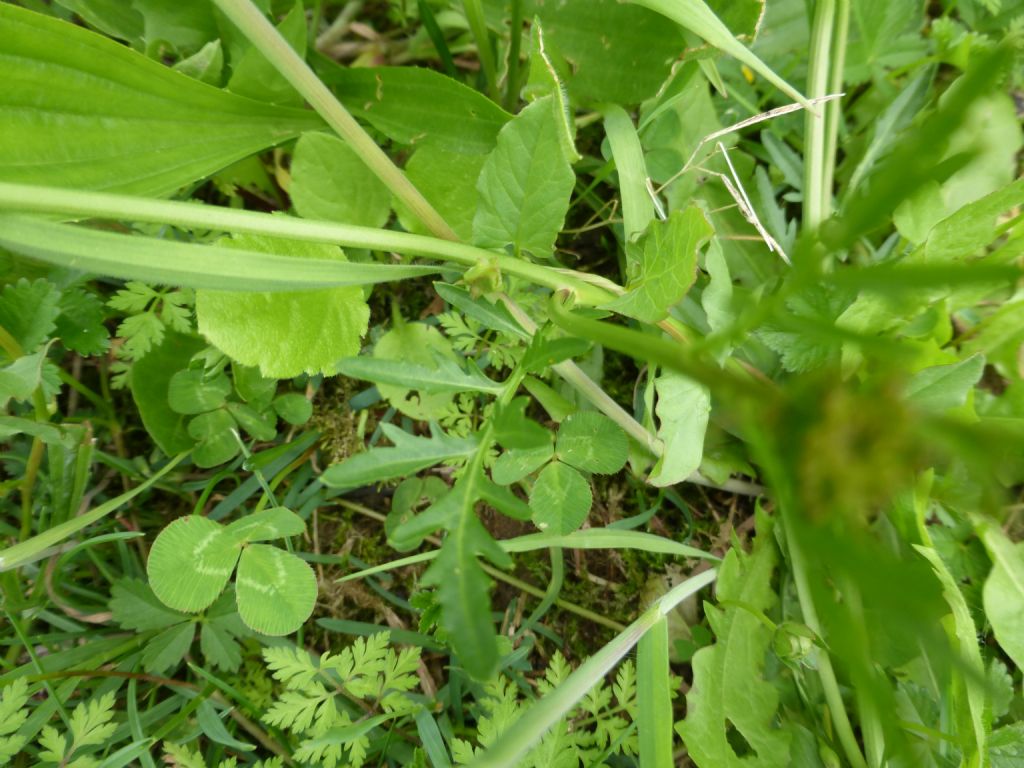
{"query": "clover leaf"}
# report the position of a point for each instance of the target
(193, 558)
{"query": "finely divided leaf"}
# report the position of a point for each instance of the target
(525, 184)
(286, 333)
(82, 111)
(664, 265)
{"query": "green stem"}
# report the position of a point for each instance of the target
(50, 200)
(833, 109)
(268, 41)
(817, 199)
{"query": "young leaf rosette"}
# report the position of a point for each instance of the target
(193, 558)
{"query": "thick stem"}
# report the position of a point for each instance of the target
(833, 109)
(817, 199)
(251, 22)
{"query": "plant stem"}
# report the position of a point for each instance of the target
(26, 198)
(833, 109)
(268, 41)
(817, 198)
(478, 26)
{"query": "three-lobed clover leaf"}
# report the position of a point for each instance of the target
(193, 558)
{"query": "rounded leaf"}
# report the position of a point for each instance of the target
(276, 591)
(265, 525)
(190, 563)
(560, 499)
(191, 392)
(592, 442)
(293, 408)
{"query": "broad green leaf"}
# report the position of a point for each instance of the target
(331, 182)
(254, 389)
(736, 662)
(447, 376)
(265, 525)
(28, 312)
(189, 264)
(218, 638)
(253, 76)
(83, 111)
(515, 464)
(560, 499)
(206, 65)
(448, 180)
(287, 333)
(149, 380)
(590, 441)
(525, 185)
(135, 606)
(168, 648)
(80, 324)
(697, 17)
(605, 51)
(192, 391)
(423, 346)
(1004, 591)
(276, 591)
(412, 105)
(210, 724)
(683, 408)
(664, 265)
(973, 226)
(294, 408)
(654, 703)
(114, 18)
(1006, 746)
(214, 433)
(19, 379)
(190, 563)
(514, 429)
(942, 387)
(261, 425)
(998, 336)
(408, 456)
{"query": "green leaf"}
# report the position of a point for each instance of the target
(254, 76)
(193, 391)
(135, 606)
(637, 205)
(413, 105)
(332, 183)
(190, 563)
(261, 426)
(28, 311)
(490, 315)
(605, 51)
(697, 17)
(19, 379)
(525, 185)
(218, 636)
(560, 499)
(973, 226)
(80, 324)
(736, 662)
(149, 381)
(254, 389)
(942, 387)
(111, 17)
(1003, 592)
(286, 333)
(448, 180)
(265, 525)
(664, 265)
(294, 408)
(276, 591)
(210, 724)
(102, 116)
(167, 649)
(445, 377)
(515, 464)
(590, 441)
(1006, 746)
(654, 720)
(683, 409)
(190, 264)
(13, 715)
(420, 345)
(214, 433)
(409, 455)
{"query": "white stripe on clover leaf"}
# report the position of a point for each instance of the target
(276, 591)
(190, 563)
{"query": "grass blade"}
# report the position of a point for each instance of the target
(653, 698)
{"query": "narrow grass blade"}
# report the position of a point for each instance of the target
(179, 263)
(529, 729)
(36, 547)
(697, 17)
(637, 204)
(653, 698)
